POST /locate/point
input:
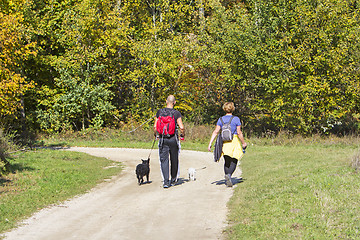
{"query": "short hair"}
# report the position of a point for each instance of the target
(170, 99)
(229, 107)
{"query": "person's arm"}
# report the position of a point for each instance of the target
(155, 132)
(213, 136)
(241, 137)
(181, 127)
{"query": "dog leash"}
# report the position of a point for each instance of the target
(152, 148)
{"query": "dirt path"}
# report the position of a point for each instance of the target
(120, 209)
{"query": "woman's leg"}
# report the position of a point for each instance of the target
(229, 169)
(230, 165)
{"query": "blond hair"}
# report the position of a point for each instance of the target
(229, 107)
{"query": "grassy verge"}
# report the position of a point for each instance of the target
(44, 177)
(297, 192)
(197, 138)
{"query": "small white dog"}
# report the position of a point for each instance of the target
(192, 174)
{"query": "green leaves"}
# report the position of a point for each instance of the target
(286, 64)
(78, 104)
(297, 63)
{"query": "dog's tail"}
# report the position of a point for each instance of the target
(200, 168)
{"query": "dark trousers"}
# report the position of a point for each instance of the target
(230, 164)
(169, 147)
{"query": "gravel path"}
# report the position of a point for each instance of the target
(120, 209)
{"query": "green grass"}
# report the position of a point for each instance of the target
(296, 192)
(196, 139)
(44, 177)
(123, 143)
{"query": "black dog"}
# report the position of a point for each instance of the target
(143, 169)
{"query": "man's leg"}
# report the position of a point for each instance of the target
(164, 162)
(174, 159)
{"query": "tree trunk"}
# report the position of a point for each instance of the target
(24, 132)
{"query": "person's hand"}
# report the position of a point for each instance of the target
(156, 136)
(209, 147)
(244, 147)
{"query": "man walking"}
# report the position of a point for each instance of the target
(167, 122)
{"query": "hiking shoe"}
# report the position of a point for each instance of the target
(166, 184)
(173, 182)
(228, 180)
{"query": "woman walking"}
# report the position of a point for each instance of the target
(232, 150)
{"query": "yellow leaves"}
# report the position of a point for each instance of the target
(14, 50)
(13, 47)
(11, 6)
(184, 107)
(11, 88)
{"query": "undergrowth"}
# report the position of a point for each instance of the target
(194, 133)
(7, 144)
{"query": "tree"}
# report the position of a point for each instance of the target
(89, 52)
(293, 56)
(15, 48)
(78, 104)
(289, 65)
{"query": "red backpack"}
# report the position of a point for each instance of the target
(166, 125)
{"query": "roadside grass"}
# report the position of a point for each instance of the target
(197, 138)
(297, 192)
(44, 177)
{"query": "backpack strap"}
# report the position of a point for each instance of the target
(167, 112)
(222, 121)
(229, 121)
(231, 118)
(162, 112)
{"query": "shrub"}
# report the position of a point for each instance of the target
(6, 144)
(4, 163)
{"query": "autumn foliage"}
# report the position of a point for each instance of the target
(287, 65)
(14, 50)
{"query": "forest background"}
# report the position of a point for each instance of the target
(288, 65)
